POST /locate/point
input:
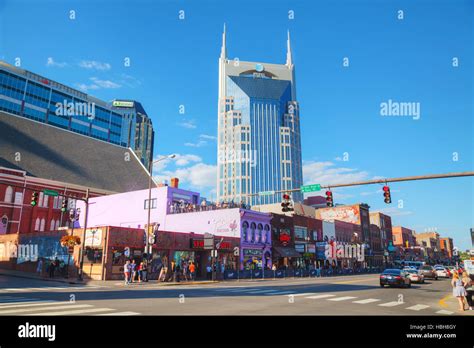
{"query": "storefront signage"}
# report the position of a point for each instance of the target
(300, 248)
(311, 248)
(199, 244)
(285, 237)
(93, 237)
(121, 103)
(252, 252)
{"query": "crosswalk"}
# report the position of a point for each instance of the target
(49, 288)
(16, 305)
(328, 297)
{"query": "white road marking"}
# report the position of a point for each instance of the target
(33, 304)
(343, 298)
(79, 311)
(304, 294)
(417, 307)
(320, 296)
(443, 311)
(24, 303)
(368, 300)
(69, 306)
(121, 313)
(391, 304)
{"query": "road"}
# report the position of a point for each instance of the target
(347, 295)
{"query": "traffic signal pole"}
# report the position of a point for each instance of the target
(383, 181)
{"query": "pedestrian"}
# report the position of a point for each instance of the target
(52, 268)
(144, 271)
(185, 270)
(209, 272)
(133, 270)
(177, 272)
(126, 272)
(468, 285)
(458, 290)
(39, 267)
(192, 270)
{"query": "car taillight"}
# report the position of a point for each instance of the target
(398, 277)
(382, 276)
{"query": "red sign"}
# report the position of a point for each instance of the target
(285, 239)
(46, 82)
(199, 244)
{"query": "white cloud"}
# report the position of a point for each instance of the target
(51, 63)
(183, 160)
(130, 81)
(207, 137)
(200, 143)
(198, 176)
(326, 173)
(188, 124)
(97, 84)
(104, 83)
(94, 65)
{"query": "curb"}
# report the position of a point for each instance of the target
(43, 279)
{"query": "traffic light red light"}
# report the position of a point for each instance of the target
(329, 199)
(34, 198)
(386, 194)
(286, 204)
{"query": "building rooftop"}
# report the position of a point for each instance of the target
(52, 153)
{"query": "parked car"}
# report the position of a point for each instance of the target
(415, 276)
(395, 277)
(442, 272)
(429, 272)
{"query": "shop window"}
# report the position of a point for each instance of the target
(259, 236)
(42, 225)
(93, 255)
(153, 204)
(37, 224)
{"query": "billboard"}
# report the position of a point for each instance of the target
(123, 104)
(346, 213)
(329, 231)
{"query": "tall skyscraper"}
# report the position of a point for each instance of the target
(259, 145)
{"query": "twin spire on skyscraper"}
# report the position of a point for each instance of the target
(289, 58)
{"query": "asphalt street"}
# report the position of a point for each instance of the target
(345, 295)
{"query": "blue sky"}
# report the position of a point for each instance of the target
(174, 62)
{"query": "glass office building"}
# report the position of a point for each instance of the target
(29, 95)
(140, 128)
(259, 146)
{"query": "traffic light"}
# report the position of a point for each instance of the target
(386, 195)
(64, 205)
(329, 199)
(286, 204)
(34, 198)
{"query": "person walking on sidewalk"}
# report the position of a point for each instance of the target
(133, 270)
(209, 272)
(458, 290)
(143, 271)
(39, 267)
(192, 271)
(468, 285)
(126, 272)
(52, 268)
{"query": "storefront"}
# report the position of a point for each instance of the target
(255, 241)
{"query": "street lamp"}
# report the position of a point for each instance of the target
(147, 243)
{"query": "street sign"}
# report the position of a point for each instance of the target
(266, 193)
(51, 192)
(310, 188)
(208, 241)
(213, 253)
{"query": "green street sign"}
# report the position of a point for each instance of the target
(311, 188)
(266, 193)
(51, 193)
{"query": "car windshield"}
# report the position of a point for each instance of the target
(412, 271)
(392, 271)
(427, 268)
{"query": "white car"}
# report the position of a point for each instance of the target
(415, 276)
(442, 272)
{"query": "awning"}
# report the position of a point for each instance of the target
(286, 252)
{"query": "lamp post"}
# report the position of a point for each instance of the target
(147, 243)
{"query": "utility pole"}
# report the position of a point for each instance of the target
(80, 275)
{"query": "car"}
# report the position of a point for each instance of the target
(415, 276)
(442, 272)
(395, 277)
(429, 272)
